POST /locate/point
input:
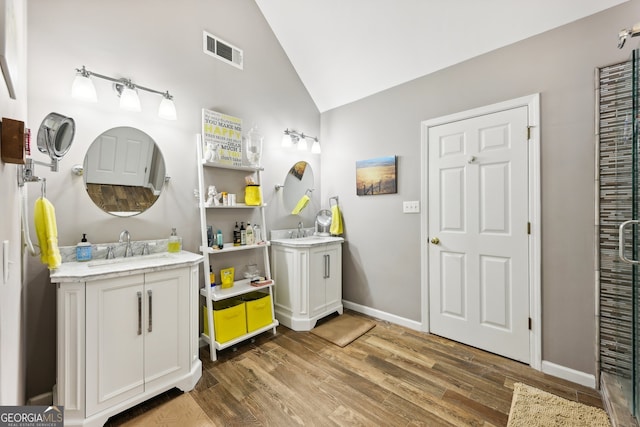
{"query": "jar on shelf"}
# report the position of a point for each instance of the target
(253, 146)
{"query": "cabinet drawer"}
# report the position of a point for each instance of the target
(229, 318)
(258, 306)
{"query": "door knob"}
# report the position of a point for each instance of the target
(435, 241)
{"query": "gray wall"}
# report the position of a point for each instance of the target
(12, 325)
(158, 45)
(382, 253)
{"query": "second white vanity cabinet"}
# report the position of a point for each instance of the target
(126, 332)
(308, 277)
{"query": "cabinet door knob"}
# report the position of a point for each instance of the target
(435, 241)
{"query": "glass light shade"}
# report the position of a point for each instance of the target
(286, 140)
(83, 89)
(302, 144)
(167, 109)
(315, 147)
(129, 100)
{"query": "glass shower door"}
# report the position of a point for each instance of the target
(619, 229)
(628, 239)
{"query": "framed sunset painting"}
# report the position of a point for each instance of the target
(377, 176)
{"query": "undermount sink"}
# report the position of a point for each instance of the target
(131, 260)
(306, 241)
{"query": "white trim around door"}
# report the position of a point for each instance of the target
(532, 102)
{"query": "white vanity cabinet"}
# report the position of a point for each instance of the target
(125, 338)
(308, 281)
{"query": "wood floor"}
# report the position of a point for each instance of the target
(391, 376)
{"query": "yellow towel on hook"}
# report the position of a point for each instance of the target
(336, 221)
(302, 203)
(44, 216)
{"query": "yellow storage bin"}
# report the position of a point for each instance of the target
(229, 319)
(258, 310)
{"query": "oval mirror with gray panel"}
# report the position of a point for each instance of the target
(299, 179)
(124, 171)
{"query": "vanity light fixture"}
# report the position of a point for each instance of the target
(292, 137)
(84, 89)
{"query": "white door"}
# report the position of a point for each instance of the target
(478, 216)
(119, 157)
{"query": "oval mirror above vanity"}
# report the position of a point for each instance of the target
(124, 171)
(298, 181)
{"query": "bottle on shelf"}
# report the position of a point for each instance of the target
(243, 234)
(219, 240)
(257, 234)
(249, 235)
(236, 235)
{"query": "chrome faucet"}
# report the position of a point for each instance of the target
(128, 251)
(145, 249)
(300, 229)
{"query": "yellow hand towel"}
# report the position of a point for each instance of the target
(44, 216)
(302, 203)
(336, 221)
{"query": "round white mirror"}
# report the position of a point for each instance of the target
(124, 171)
(297, 183)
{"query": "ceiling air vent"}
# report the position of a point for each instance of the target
(214, 46)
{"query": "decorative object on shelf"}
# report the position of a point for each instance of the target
(212, 196)
(226, 277)
(253, 146)
(377, 176)
(222, 138)
(83, 89)
(292, 137)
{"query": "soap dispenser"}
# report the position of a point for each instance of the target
(175, 242)
(83, 249)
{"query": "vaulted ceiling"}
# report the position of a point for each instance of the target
(345, 50)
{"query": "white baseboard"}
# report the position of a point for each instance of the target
(392, 318)
(44, 399)
(569, 374)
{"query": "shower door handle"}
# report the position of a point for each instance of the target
(622, 241)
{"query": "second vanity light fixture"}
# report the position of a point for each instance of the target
(84, 90)
(291, 137)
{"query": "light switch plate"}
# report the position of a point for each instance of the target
(412, 206)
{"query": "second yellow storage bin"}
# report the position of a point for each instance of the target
(258, 310)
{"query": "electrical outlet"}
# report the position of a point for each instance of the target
(412, 206)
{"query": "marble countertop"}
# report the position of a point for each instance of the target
(95, 269)
(307, 241)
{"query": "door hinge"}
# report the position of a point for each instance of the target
(529, 323)
(528, 133)
(528, 228)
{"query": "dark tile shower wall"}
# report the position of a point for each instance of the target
(615, 178)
